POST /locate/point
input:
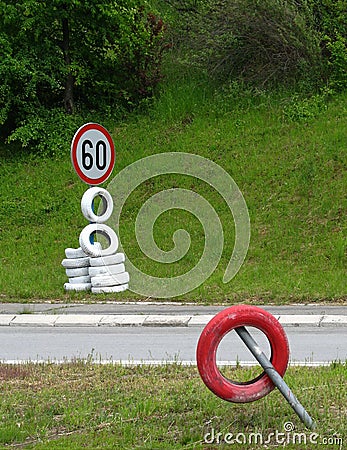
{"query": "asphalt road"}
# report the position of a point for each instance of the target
(159, 344)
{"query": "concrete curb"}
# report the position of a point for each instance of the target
(153, 320)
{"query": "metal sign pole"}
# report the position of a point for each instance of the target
(275, 377)
(91, 238)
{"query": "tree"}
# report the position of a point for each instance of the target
(75, 55)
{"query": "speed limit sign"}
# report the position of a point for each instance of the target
(92, 153)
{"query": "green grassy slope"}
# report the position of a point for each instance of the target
(292, 174)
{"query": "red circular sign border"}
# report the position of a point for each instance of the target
(74, 145)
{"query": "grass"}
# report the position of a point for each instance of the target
(288, 157)
(84, 405)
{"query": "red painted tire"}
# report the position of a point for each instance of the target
(210, 338)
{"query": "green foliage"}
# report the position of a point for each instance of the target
(74, 56)
(337, 62)
(330, 19)
(49, 130)
(303, 109)
(330, 16)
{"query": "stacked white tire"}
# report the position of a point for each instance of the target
(76, 266)
(108, 274)
(90, 266)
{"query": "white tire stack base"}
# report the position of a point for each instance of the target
(76, 266)
(108, 274)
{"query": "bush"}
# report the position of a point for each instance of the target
(49, 131)
(259, 41)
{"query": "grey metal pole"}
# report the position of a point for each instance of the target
(91, 238)
(275, 377)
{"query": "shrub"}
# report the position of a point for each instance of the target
(261, 41)
(304, 109)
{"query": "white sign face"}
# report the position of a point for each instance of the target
(92, 153)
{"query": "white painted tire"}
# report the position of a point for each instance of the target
(87, 204)
(75, 253)
(75, 263)
(81, 272)
(77, 287)
(107, 260)
(93, 250)
(80, 280)
(110, 289)
(110, 280)
(106, 270)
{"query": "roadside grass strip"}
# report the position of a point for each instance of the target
(84, 405)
